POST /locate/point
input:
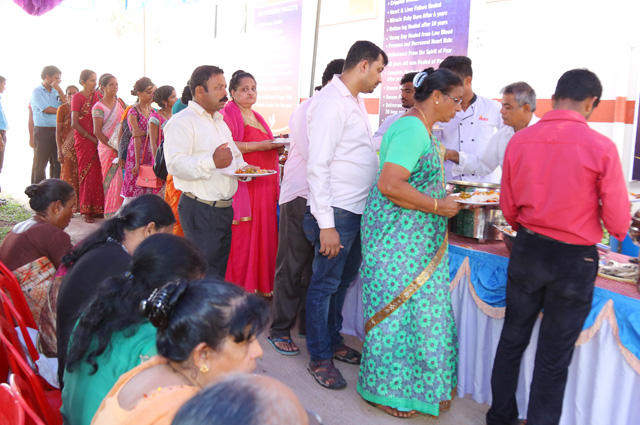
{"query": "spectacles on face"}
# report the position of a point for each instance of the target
(314, 418)
(455, 99)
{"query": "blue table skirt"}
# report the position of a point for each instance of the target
(489, 279)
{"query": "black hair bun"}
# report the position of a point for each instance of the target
(30, 191)
(238, 72)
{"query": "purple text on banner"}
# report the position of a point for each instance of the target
(419, 34)
(276, 57)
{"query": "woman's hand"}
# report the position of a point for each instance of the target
(60, 157)
(121, 163)
(135, 169)
(447, 206)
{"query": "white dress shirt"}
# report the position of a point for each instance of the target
(377, 136)
(488, 161)
(470, 132)
(294, 182)
(190, 138)
(342, 163)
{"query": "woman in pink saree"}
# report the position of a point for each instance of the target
(106, 124)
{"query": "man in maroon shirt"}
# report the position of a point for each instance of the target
(560, 181)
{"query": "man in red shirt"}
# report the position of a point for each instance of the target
(560, 181)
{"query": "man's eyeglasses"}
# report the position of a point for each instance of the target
(455, 99)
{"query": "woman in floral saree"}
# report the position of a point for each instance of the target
(91, 196)
(106, 123)
(410, 352)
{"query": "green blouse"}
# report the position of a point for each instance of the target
(405, 142)
(83, 392)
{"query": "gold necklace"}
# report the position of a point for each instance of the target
(425, 121)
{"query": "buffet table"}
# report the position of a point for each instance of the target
(603, 386)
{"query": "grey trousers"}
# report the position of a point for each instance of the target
(293, 270)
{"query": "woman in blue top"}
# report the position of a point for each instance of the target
(112, 337)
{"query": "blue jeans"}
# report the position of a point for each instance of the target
(329, 283)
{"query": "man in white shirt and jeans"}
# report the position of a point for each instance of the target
(341, 170)
(199, 151)
(518, 106)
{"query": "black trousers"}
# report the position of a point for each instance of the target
(293, 271)
(557, 278)
(210, 229)
(46, 152)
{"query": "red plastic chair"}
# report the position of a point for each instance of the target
(10, 313)
(28, 385)
(31, 417)
(11, 412)
(9, 285)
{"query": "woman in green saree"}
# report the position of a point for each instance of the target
(410, 352)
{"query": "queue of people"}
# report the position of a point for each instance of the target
(354, 203)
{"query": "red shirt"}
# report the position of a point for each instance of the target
(560, 178)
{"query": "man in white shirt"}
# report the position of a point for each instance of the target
(202, 157)
(473, 126)
(295, 252)
(341, 170)
(518, 106)
(406, 98)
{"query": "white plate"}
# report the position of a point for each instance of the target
(632, 198)
(281, 141)
(467, 202)
(233, 174)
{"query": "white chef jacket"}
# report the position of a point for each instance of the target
(470, 132)
(488, 161)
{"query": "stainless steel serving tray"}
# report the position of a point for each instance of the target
(474, 184)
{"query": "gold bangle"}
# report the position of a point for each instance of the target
(435, 208)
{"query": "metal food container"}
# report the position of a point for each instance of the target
(477, 223)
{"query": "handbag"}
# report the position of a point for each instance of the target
(159, 164)
(146, 176)
(114, 140)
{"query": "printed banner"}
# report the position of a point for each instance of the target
(278, 27)
(419, 34)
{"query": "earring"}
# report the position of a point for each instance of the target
(204, 369)
(437, 103)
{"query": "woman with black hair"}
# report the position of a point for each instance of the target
(410, 353)
(105, 253)
(254, 240)
(91, 196)
(205, 329)
(183, 101)
(33, 249)
(111, 337)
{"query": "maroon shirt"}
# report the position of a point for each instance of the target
(562, 179)
(32, 239)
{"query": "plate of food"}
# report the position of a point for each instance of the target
(249, 172)
(478, 197)
(634, 197)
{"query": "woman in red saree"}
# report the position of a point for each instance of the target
(254, 240)
(91, 196)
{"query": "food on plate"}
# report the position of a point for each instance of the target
(490, 196)
(252, 171)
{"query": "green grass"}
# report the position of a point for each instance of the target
(11, 212)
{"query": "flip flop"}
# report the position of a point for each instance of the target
(281, 351)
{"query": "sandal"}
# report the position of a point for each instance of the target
(88, 218)
(350, 356)
(326, 374)
(289, 341)
(392, 411)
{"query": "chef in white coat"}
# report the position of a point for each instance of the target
(518, 107)
(472, 128)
